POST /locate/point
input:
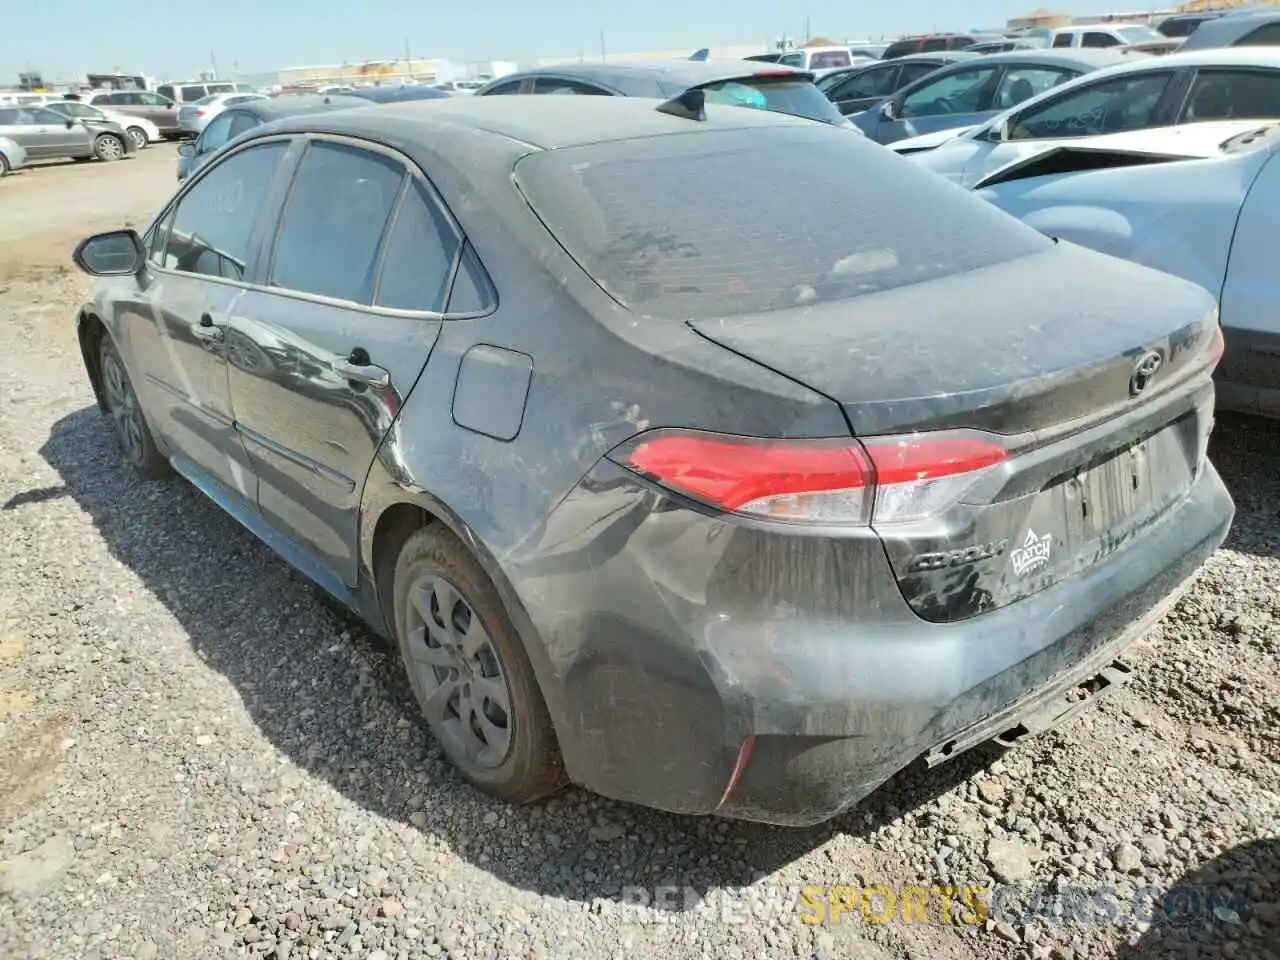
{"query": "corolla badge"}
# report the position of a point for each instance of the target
(1144, 371)
(1032, 555)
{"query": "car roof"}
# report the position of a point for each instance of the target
(1228, 29)
(297, 105)
(1089, 58)
(687, 72)
(546, 123)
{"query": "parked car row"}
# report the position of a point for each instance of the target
(50, 132)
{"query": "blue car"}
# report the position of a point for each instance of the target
(972, 91)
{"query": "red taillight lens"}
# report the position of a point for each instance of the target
(197, 113)
(1218, 347)
(880, 480)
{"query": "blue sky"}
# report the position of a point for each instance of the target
(177, 39)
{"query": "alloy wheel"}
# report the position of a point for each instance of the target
(138, 136)
(122, 405)
(464, 690)
(110, 148)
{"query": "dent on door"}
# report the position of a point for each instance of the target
(311, 418)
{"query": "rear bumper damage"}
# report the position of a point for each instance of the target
(731, 670)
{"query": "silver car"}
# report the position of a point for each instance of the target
(193, 117)
(12, 155)
(46, 135)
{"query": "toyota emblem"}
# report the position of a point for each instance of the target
(1144, 371)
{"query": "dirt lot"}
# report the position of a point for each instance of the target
(199, 758)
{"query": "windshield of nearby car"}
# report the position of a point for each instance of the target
(661, 223)
(1138, 33)
(798, 97)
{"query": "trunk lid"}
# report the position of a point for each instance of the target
(1043, 352)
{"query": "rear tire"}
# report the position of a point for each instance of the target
(125, 413)
(4, 166)
(139, 137)
(470, 673)
(108, 147)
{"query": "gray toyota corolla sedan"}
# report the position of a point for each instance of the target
(665, 481)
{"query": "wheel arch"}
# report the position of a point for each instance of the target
(390, 514)
(89, 331)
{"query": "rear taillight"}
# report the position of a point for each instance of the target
(879, 480)
(197, 113)
(1218, 347)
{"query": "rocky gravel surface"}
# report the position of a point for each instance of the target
(200, 757)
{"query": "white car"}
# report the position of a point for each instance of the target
(1211, 221)
(194, 117)
(1150, 92)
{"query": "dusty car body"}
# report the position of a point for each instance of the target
(664, 484)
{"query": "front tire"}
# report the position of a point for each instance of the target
(108, 147)
(470, 673)
(125, 412)
(4, 165)
(138, 136)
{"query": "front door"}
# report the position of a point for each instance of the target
(201, 250)
(319, 370)
(41, 132)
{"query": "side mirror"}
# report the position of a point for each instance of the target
(888, 110)
(70, 122)
(187, 149)
(118, 253)
(1001, 131)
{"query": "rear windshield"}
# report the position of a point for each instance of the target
(800, 98)
(753, 221)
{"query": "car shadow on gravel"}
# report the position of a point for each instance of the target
(333, 698)
(1227, 907)
(1246, 451)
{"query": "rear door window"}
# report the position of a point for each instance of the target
(1023, 83)
(662, 226)
(877, 82)
(1109, 106)
(913, 71)
(215, 134)
(1095, 38)
(829, 58)
(504, 89)
(241, 122)
(792, 60)
(933, 45)
(193, 92)
(166, 91)
(1063, 39)
(333, 222)
(1233, 95)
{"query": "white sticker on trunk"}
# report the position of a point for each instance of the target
(1032, 555)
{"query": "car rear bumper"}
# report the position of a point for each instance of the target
(700, 666)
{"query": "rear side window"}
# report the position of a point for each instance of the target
(240, 123)
(1063, 40)
(166, 91)
(421, 249)
(933, 45)
(800, 98)
(900, 49)
(190, 94)
(554, 86)
(1267, 35)
(1095, 39)
(733, 222)
(829, 58)
(333, 222)
(504, 89)
(1234, 94)
(877, 82)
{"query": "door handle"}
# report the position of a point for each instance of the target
(207, 331)
(356, 366)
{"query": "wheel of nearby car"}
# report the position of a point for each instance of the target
(126, 415)
(108, 147)
(139, 136)
(4, 165)
(470, 672)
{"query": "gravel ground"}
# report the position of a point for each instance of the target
(200, 758)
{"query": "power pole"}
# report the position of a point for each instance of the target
(808, 35)
(603, 57)
(408, 60)
(214, 60)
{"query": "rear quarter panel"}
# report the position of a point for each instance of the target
(1251, 294)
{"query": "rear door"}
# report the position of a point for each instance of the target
(323, 354)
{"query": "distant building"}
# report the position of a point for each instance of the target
(717, 53)
(369, 73)
(1041, 17)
